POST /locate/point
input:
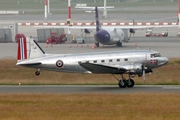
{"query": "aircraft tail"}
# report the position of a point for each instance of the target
(98, 26)
(28, 49)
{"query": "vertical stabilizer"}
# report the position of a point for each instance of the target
(28, 49)
(35, 50)
(97, 19)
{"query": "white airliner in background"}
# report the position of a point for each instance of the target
(131, 62)
(109, 35)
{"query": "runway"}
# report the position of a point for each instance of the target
(86, 89)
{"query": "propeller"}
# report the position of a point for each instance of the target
(144, 68)
(144, 73)
(132, 31)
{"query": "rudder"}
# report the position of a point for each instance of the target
(98, 26)
(22, 49)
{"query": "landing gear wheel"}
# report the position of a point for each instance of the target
(119, 44)
(97, 44)
(130, 83)
(37, 73)
(122, 83)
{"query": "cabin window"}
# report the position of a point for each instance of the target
(118, 60)
(106, 35)
(110, 60)
(125, 59)
(95, 61)
(102, 61)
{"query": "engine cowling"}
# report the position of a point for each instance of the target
(131, 30)
(116, 35)
(134, 68)
(137, 69)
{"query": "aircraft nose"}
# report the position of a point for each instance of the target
(163, 61)
(102, 36)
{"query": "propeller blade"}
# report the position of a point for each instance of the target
(144, 72)
(133, 36)
(144, 76)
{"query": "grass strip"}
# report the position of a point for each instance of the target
(139, 106)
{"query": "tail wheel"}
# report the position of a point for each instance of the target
(37, 73)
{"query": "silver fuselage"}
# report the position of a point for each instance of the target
(118, 59)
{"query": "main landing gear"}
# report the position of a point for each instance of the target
(97, 44)
(37, 73)
(123, 83)
(119, 44)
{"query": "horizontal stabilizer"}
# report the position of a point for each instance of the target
(97, 68)
(28, 64)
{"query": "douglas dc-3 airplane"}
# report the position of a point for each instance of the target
(131, 62)
(108, 35)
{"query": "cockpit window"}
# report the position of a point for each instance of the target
(155, 55)
(106, 35)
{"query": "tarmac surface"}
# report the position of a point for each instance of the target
(167, 46)
(86, 89)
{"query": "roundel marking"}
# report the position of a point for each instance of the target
(59, 63)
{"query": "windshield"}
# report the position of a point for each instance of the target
(155, 55)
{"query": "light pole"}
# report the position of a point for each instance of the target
(45, 10)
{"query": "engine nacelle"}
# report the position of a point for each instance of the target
(116, 35)
(126, 37)
(134, 68)
(131, 30)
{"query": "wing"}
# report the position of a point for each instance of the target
(68, 27)
(97, 68)
(105, 27)
(139, 26)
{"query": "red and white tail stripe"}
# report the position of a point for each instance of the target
(22, 49)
